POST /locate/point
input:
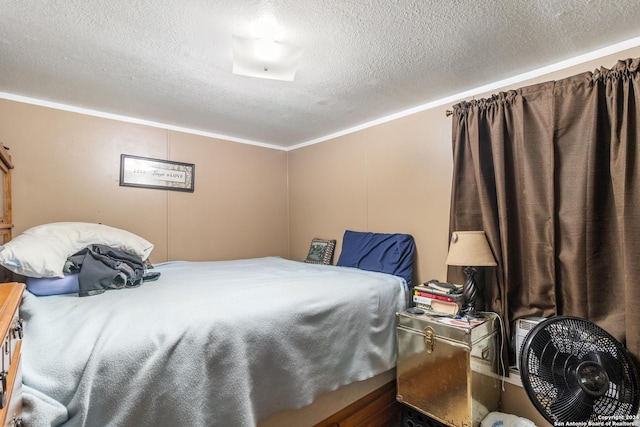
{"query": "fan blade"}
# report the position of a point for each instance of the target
(563, 363)
(539, 344)
(554, 365)
(544, 350)
(572, 405)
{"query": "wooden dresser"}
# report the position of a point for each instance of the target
(11, 374)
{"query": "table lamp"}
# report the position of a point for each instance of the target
(470, 249)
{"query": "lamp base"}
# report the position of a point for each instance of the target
(470, 294)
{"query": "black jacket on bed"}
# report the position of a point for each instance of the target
(102, 267)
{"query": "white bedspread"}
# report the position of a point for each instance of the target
(223, 343)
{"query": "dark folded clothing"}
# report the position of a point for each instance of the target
(102, 267)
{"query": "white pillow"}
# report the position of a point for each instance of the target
(42, 251)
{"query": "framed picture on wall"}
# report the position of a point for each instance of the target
(156, 173)
(321, 251)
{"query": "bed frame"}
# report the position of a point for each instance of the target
(377, 409)
(368, 403)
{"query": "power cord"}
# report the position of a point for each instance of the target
(503, 371)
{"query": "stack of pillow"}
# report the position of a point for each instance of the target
(41, 252)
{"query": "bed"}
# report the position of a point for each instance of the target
(210, 343)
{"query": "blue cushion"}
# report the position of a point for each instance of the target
(381, 252)
(43, 286)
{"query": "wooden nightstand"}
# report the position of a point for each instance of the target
(11, 374)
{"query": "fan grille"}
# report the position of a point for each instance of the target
(573, 370)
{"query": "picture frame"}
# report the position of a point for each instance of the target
(321, 251)
(145, 172)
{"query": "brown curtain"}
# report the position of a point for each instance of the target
(551, 173)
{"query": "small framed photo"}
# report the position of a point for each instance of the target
(321, 251)
(156, 173)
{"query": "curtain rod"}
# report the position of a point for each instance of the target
(448, 113)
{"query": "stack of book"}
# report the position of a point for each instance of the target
(440, 297)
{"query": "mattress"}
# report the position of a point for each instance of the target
(216, 343)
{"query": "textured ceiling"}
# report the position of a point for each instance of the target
(170, 62)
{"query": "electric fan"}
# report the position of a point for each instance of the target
(575, 371)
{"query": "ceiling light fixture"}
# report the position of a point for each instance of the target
(267, 50)
(264, 55)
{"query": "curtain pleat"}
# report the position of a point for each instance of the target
(550, 173)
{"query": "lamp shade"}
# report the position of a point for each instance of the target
(470, 248)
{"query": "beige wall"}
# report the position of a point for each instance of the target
(393, 178)
(67, 168)
(241, 206)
